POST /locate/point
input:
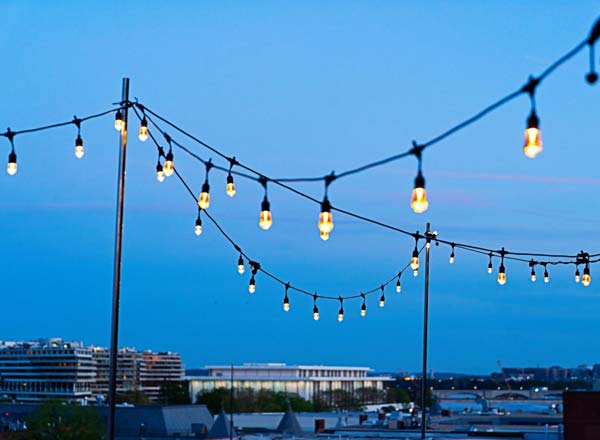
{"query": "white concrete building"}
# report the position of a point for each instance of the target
(307, 381)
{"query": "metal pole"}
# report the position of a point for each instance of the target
(425, 325)
(231, 407)
(114, 335)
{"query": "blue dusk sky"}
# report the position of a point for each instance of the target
(297, 89)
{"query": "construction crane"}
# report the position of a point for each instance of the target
(504, 375)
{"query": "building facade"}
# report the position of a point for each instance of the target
(311, 382)
(53, 368)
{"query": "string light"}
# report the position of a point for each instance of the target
(11, 168)
(204, 198)
(230, 186)
(143, 134)
(79, 152)
(325, 219)
(533, 139)
(502, 270)
(315, 308)
(286, 300)
(363, 307)
(160, 174)
(533, 275)
(119, 122)
(418, 201)
(252, 285)
(586, 279)
(399, 284)
(414, 261)
(382, 298)
(452, 254)
(168, 167)
(577, 275)
(240, 265)
(341, 311)
(490, 267)
(198, 227)
(265, 219)
(546, 275)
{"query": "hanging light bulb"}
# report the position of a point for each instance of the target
(363, 308)
(382, 298)
(418, 201)
(160, 174)
(286, 303)
(414, 261)
(490, 267)
(198, 227)
(502, 275)
(204, 198)
(577, 275)
(533, 275)
(241, 267)
(325, 219)
(252, 285)
(265, 221)
(398, 285)
(451, 259)
(168, 168)
(341, 311)
(11, 168)
(315, 308)
(230, 186)
(119, 122)
(533, 140)
(586, 279)
(546, 275)
(143, 134)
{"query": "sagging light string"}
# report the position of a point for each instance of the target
(531, 148)
(325, 223)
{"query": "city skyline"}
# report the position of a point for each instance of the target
(324, 97)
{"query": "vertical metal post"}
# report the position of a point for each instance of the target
(425, 327)
(114, 335)
(231, 407)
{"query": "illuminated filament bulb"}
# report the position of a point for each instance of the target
(363, 308)
(586, 279)
(546, 275)
(265, 221)
(418, 201)
(204, 199)
(490, 267)
(241, 267)
(168, 167)
(325, 219)
(502, 275)
(160, 174)
(533, 275)
(414, 261)
(198, 227)
(11, 168)
(398, 285)
(577, 275)
(143, 134)
(252, 285)
(286, 303)
(79, 152)
(341, 311)
(533, 139)
(451, 259)
(119, 122)
(382, 299)
(230, 186)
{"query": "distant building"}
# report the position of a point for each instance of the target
(310, 382)
(53, 368)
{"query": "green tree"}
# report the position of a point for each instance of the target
(174, 393)
(55, 420)
(134, 397)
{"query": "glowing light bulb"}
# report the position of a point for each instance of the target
(490, 267)
(418, 201)
(533, 275)
(230, 186)
(451, 259)
(502, 275)
(382, 300)
(414, 261)
(11, 168)
(341, 314)
(160, 174)
(168, 167)
(363, 310)
(119, 122)
(204, 199)
(241, 268)
(315, 313)
(252, 285)
(577, 275)
(398, 286)
(325, 219)
(143, 134)
(265, 221)
(198, 227)
(546, 276)
(533, 139)
(79, 152)
(586, 279)
(286, 303)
